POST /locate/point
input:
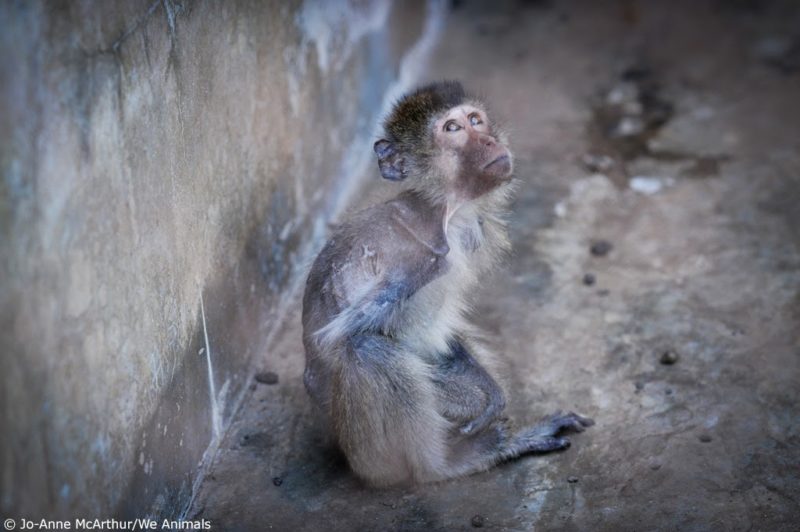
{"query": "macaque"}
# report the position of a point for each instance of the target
(391, 358)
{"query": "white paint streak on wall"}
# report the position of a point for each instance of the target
(212, 392)
(339, 25)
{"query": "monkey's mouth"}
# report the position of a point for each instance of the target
(502, 160)
(499, 167)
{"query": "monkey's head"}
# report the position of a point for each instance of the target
(443, 143)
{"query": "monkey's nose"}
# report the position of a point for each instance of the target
(488, 141)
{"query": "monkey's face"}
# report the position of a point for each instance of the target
(443, 144)
(468, 155)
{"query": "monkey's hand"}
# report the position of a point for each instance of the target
(373, 312)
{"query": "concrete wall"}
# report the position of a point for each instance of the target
(167, 168)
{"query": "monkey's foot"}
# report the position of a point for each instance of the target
(542, 436)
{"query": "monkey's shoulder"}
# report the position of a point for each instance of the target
(420, 223)
(394, 240)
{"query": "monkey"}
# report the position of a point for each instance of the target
(392, 359)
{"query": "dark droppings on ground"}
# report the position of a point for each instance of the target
(600, 248)
(668, 357)
(267, 377)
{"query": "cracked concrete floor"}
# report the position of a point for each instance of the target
(704, 265)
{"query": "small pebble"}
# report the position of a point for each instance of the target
(600, 248)
(477, 521)
(655, 467)
(705, 438)
(267, 377)
(668, 357)
(668, 391)
(572, 480)
(639, 386)
(277, 481)
(589, 279)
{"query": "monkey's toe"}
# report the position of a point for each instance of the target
(569, 421)
(576, 422)
(547, 444)
(585, 421)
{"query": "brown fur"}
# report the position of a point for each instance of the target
(409, 120)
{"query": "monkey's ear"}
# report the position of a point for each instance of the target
(390, 160)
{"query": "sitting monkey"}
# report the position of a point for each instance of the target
(390, 356)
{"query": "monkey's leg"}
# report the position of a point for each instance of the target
(466, 393)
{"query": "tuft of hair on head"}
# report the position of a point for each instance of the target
(410, 118)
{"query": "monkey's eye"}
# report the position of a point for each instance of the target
(475, 119)
(451, 126)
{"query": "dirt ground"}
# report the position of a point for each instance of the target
(682, 340)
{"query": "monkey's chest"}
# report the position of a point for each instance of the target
(435, 314)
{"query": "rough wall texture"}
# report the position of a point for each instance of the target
(165, 169)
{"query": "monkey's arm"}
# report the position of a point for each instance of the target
(385, 264)
(371, 312)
